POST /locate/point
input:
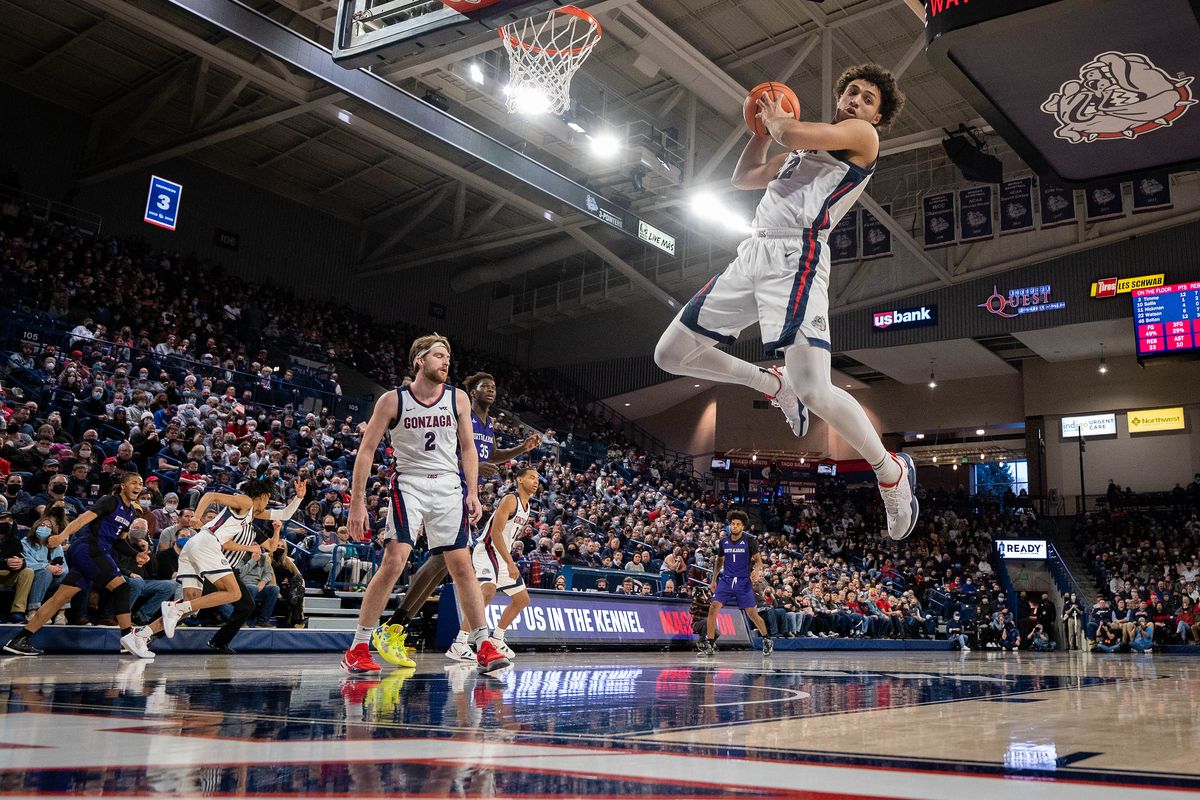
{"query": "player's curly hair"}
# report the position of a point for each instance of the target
(474, 380)
(257, 487)
(891, 99)
(739, 515)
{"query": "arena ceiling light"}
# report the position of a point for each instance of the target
(476, 73)
(605, 144)
(708, 207)
(530, 100)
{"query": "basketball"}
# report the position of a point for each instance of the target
(772, 90)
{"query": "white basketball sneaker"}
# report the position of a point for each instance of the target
(503, 647)
(786, 401)
(900, 500)
(170, 617)
(137, 645)
(460, 651)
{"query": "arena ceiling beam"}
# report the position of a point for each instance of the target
(905, 239)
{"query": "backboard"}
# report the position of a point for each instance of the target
(377, 31)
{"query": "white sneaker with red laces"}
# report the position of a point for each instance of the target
(785, 400)
(900, 498)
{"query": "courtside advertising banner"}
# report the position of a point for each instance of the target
(594, 618)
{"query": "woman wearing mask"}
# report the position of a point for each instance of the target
(44, 555)
(1072, 617)
(321, 547)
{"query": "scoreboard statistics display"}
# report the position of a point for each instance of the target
(1167, 318)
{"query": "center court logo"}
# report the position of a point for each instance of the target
(1118, 96)
(1021, 301)
(905, 318)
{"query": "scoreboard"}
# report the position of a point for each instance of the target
(1167, 318)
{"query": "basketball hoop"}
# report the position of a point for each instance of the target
(543, 54)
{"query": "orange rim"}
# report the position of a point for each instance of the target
(574, 11)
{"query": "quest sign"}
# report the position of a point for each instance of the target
(904, 318)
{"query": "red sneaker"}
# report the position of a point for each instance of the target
(355, 690)
(358, 660)
(489, 658)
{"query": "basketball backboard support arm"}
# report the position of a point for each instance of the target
(306, 55)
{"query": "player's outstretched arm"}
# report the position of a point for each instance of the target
(238, 502)
(857, 136)
(386, 409)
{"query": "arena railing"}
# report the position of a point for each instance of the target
(47, 210)
(1063, 577)
(582, 579)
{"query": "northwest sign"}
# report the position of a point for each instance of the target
(1157, 419)
(905, 318)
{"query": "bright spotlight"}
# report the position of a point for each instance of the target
(476, 73)
(530, 100)
(605, 145)
(708, 207)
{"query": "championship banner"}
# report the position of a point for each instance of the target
(1105, 202)
(939, 220)
(975, 213)
(843, 240)
(595, 618)
(1058, 205)
(876, 238)
(1016, 206)
(1152, 192)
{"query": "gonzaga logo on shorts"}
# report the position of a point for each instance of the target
(905, 318)
(1118, 96)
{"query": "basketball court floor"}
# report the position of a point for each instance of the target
(922, 725)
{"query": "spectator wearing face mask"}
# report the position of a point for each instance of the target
(15, 497)
(138, 562)
(168, 515)
(44, 555)
(1072, 617)
(956, 633)
(56, 492)
(13, 571)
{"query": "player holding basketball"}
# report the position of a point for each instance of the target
(738, 560)
(430, 430)
(389, 637)
(494, 566)
(780, 277)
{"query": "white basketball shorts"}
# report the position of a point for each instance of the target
(201, 559)
(491, 568)
(779, 279)
(435, 501)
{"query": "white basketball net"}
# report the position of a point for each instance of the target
(543, 55)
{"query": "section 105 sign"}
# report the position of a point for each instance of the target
(904, 318)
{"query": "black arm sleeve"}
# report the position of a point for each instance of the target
(104, 506)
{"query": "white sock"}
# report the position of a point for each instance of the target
(462, 637)
(888, 471)
(362, 634)
(477, 636)
(498, 634)
(184, 606)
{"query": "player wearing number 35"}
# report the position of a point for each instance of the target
(780, 278)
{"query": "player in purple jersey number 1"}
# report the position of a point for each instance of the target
(738, 560)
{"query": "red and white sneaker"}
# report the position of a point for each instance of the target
(358, 660)
(786, 401)
(489, 658)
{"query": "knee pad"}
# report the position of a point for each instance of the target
(120, 598)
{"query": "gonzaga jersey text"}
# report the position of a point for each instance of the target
(425, 437)
(814, 189)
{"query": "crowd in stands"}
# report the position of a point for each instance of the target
(1146, 563)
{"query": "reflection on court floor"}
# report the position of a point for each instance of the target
(604, 724)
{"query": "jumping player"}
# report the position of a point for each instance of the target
(737, 560)
(494, 565)
(91, 563)
(430, 429)
(222, 544)
(389, 637)
(780, 277)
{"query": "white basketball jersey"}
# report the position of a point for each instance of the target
(228, 525)
(425, 437)
(511, 528)
(814, 189)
